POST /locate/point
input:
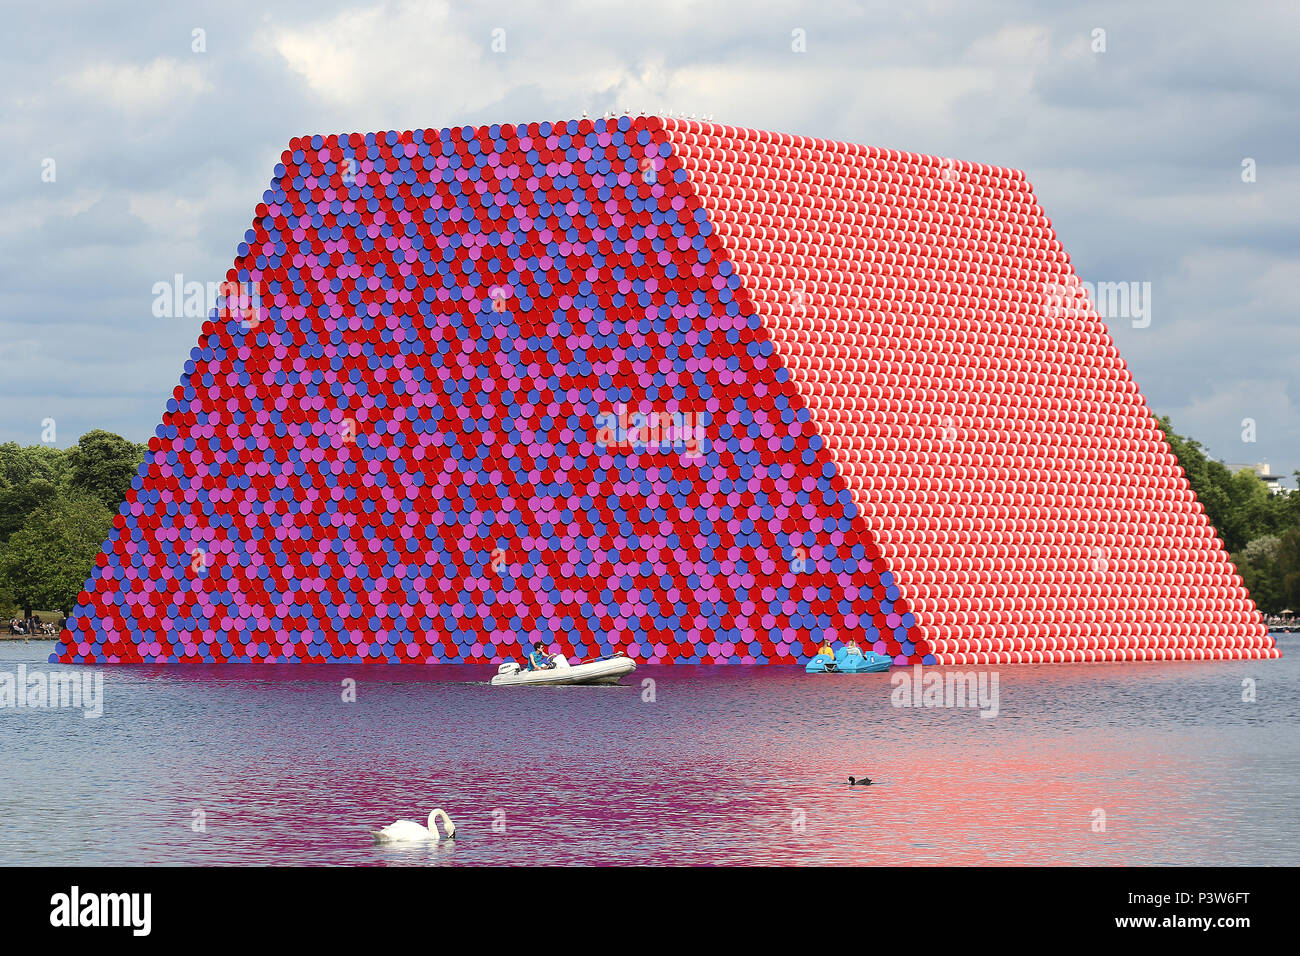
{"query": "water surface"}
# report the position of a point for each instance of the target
(729, 764)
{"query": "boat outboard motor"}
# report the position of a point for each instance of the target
(509, 668)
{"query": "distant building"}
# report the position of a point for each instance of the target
(1263, 473)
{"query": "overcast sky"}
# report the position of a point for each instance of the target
(1138, 140)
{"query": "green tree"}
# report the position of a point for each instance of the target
(1258, 564)
(1261, 530)
(1287, 569)
(47, 562)
(8, 603)
(103, 464)
(20, 465)
(1249, 512)
(1239, 506)
(18, 503)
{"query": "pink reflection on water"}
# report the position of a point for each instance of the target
(726, 765)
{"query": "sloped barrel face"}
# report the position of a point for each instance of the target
(491, 387)
(674, 389)
(994, 443)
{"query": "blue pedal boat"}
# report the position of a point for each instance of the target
(850, 660)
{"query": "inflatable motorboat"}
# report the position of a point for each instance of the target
(603, 670)
(849, 660)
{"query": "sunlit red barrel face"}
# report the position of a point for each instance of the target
(973, 402)
(680, 390)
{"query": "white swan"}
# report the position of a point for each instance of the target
(408, 830)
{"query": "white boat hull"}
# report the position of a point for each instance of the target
(593, 672)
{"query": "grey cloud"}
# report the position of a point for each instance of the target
(1135, 155)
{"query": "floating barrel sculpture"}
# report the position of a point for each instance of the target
(686, 391)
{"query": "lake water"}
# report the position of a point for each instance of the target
(732, 765)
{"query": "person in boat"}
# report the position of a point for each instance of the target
(826, 650)
(852, 646)
(538, 659)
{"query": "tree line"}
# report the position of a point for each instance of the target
(56, 510)
(57, 507)
(1261, 530)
